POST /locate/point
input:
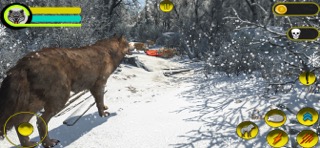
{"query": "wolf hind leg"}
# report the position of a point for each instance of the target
(98, 93)
(54, 104)
(24, 140)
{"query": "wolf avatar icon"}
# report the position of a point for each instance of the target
(16, 16)
(45, 78)
(247, 130)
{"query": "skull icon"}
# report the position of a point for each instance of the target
(295, 33)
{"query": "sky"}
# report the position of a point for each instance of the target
(142, 2)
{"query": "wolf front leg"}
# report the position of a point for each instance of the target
(98, 93)
(42, 128)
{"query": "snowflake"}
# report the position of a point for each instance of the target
(2, 30)
(229, 142)
(314, 60)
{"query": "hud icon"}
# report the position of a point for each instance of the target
(166, 6)
(281, 9)
(17, 16)
(295, 33)
(275, 118)
(24, 128)
(307, 116)
(247, 130)
(277, 138)
(307, 138)
(307, 78)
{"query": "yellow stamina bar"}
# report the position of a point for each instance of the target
(55, 10)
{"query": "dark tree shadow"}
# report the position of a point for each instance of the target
(68, 134)
(221, 103)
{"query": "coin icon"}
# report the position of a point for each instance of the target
(281, 9)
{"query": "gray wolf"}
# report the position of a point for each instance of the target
(45, 78)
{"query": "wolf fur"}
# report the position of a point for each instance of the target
(44, 79)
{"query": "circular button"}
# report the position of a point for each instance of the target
(307, 78)
(307, 116)
(277, 138)
(307, 138)
(247, 130)
(275, 118)
(166, 6)
(25, 129)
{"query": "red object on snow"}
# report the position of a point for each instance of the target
(153, 53)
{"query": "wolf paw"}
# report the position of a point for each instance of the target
(103, 113)
(50, 143)
(1, 135)
(29, 144)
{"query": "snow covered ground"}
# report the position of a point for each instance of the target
(150, 110)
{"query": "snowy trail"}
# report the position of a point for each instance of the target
(142, 106)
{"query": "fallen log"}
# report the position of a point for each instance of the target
(134, 61)
(173, 72)
(177, 71)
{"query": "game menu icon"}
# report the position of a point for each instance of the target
(307, 138)
(275, 118)
(277, 138)
(307, 116)
(307, 78)
(247, 130)
(166, 6)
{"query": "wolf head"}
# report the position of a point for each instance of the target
(16, 16)
(123, 44)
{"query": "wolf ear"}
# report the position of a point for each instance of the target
(122, 38)
(21, 11)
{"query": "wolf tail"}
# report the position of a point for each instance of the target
(14, 97)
